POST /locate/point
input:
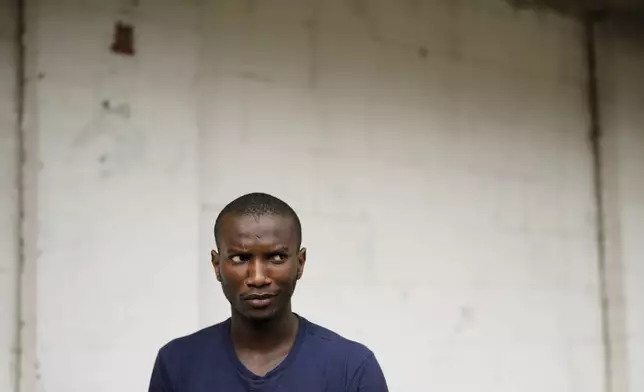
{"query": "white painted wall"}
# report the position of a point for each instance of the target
(117, 192)
(8, 195)
(436, 151)
(622, 86)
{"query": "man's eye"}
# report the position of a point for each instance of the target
(238, 259)
(278, 257)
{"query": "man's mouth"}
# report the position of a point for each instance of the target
(259, 300)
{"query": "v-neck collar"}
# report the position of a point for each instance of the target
(290, 357)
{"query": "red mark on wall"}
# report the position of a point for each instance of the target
(123, 39)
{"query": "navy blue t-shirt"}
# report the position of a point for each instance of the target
(319, 361)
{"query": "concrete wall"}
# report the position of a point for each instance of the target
(621, 50)
(117, 192)
(8, 195)
(436, 151)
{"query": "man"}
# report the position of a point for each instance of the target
(264, 346)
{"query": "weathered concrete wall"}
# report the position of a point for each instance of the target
(117, 196)
(436, 151)
(621, 61)
(8, 195)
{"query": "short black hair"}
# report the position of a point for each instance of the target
(258, 204)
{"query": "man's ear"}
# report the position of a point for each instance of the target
(214, 257)
(301, 260)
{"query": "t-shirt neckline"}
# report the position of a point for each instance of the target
(290, 357)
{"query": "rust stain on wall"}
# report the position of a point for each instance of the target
(123, 39)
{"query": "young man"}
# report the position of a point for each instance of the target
(263, 346)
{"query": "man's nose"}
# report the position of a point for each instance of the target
(256, 274)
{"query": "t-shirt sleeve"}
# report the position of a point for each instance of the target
(159, 381)
(369, 377)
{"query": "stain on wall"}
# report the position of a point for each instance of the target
(112, 138)
(123, 39)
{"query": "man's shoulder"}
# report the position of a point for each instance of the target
(191, 344)
(350, 364)
(336, 344)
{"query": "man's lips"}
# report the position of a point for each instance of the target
(261, 300)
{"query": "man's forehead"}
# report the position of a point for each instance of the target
(266, 227)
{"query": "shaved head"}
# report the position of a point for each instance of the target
(258, 204)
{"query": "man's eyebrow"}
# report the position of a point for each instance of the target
(281, 248)
(236, 250)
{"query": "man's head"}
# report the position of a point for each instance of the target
(258, 258)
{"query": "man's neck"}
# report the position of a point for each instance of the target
(263, 335)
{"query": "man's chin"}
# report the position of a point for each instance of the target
(260, 315)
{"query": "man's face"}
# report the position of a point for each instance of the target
(258, 263)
